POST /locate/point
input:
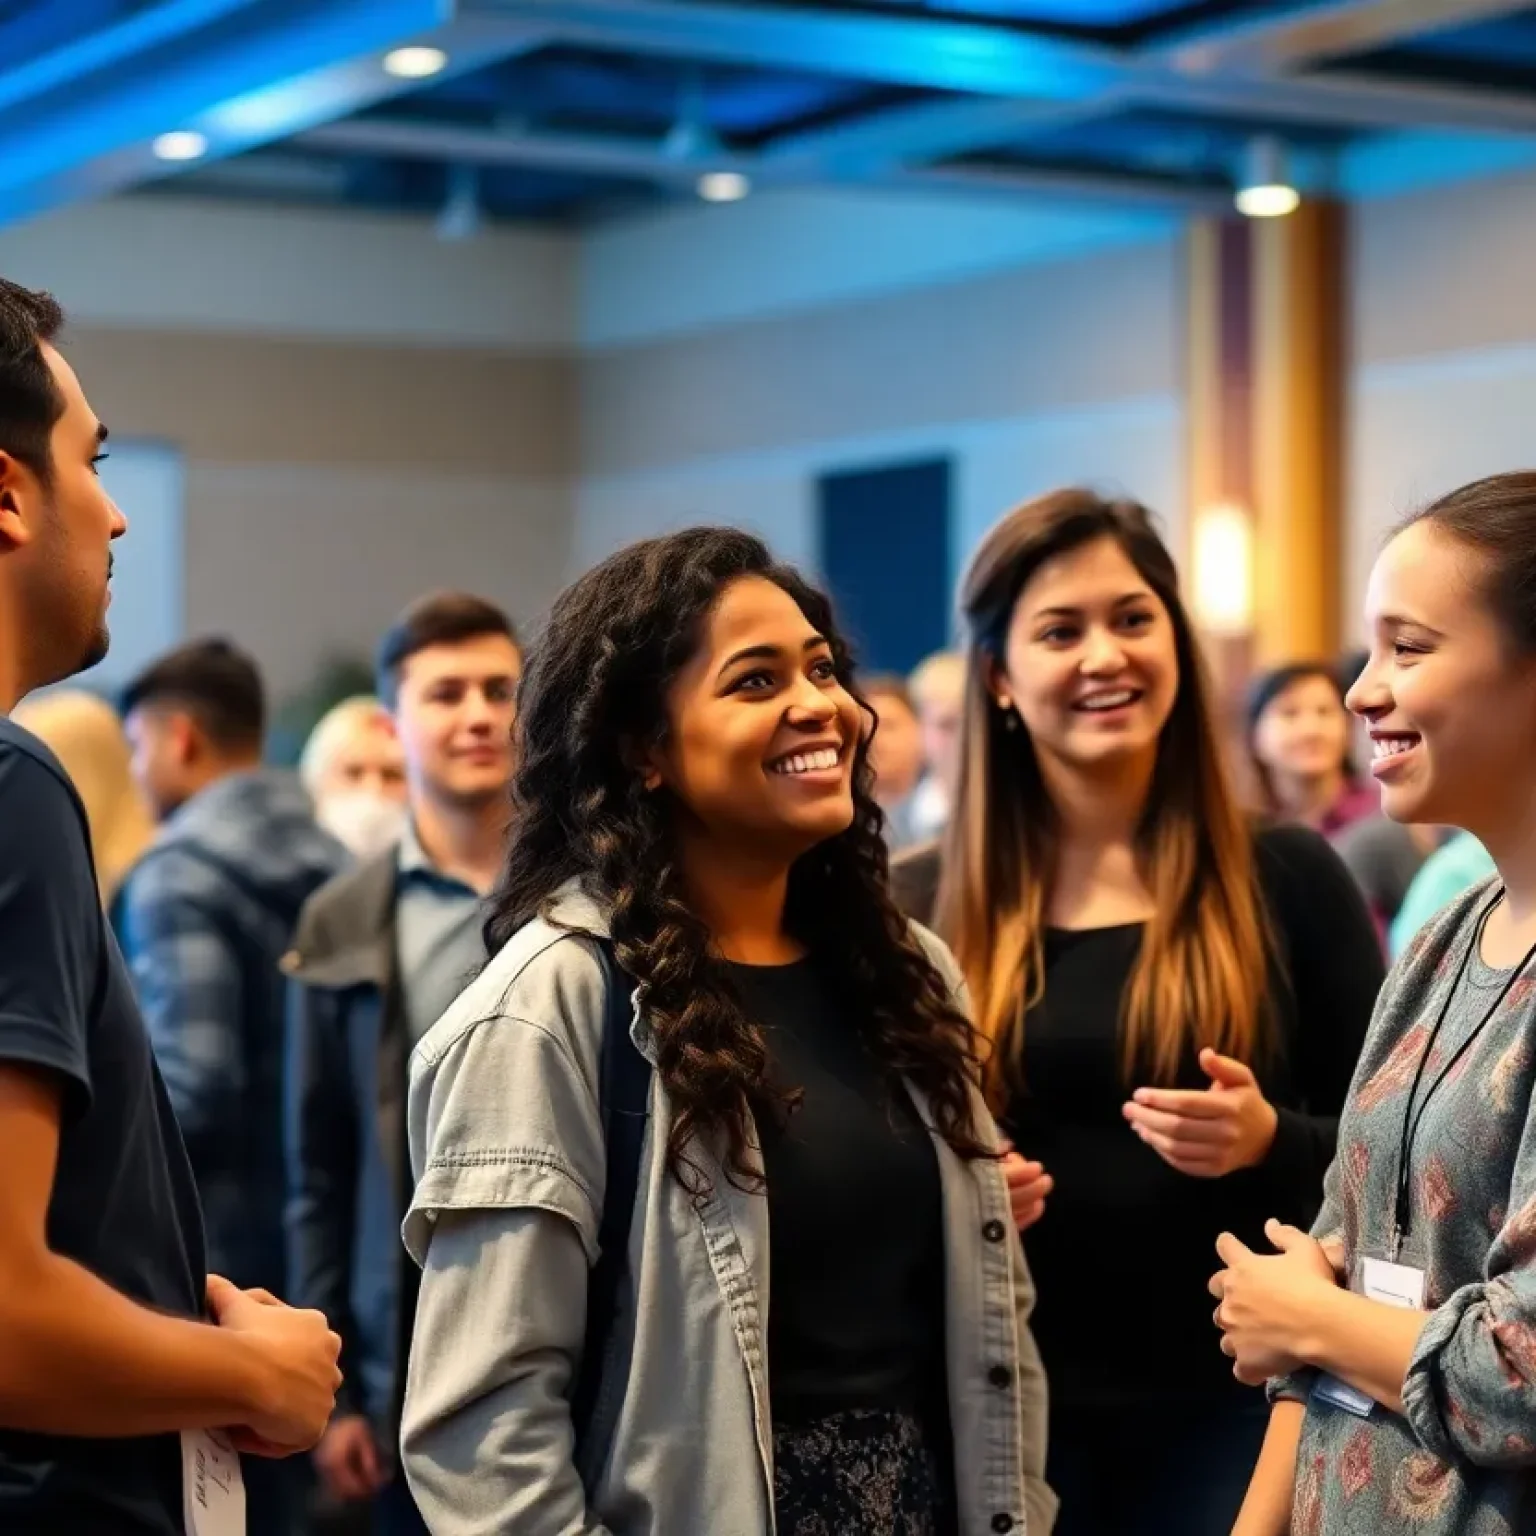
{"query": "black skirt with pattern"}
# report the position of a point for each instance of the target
(873, 1472)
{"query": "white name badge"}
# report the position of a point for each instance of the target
(1397, 1285)
(212, 1489)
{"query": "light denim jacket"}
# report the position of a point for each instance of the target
(506, 1132)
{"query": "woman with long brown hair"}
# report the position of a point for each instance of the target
(1174, 1000)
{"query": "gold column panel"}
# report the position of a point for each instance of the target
(1298, 432)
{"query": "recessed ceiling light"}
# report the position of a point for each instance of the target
(723, 187)
(1265, 191)
(1273, 201)
(415, 63)
(183, 144)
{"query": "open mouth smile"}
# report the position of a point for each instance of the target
(818, 760)
(1107, 701)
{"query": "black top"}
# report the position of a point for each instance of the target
(1125, 1249)
(855, 1216)
(124, 1205)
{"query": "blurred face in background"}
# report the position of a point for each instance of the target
(1303, 732)
(169, 756)
(896, 753)
(1091, 661)
(367, 760)
(354, 769)
(939, 694)
(454, 715)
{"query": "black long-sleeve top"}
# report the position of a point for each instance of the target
(1123, 1254)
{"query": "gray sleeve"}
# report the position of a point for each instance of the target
(486, 1439)
(1470, 1392)
(1039, 1501)
(507, 1142)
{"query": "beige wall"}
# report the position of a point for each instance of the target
(1053, 372)
(1443, 390)
(329, 482)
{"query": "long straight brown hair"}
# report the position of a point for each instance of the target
(1200, 978)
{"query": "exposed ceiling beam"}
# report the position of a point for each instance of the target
(931, 130)
(641, 160)
(240, 74)
(1304, 35)
(1122, 189)
(589, 154)
(927, 52)
(1181, 78)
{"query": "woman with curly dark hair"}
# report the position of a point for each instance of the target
(693, 810)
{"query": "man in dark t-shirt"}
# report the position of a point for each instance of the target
(118, 1355)
(123, 1201)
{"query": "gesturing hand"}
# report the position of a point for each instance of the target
(1264, 1300)
(1207, 1132)
(1028, 1185)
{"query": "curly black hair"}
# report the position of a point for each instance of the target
(593, 696)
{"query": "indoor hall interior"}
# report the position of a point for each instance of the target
(382, 299)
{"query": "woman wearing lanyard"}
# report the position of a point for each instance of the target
(1404, 1334)
(1175, 1000)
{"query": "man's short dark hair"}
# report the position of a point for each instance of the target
(214, 682)
(441, 618)
(30, 402)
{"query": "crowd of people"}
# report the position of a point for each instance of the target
(667, 1080)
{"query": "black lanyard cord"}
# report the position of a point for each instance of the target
(1411, 1121)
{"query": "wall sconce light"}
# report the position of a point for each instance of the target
(1221, 588)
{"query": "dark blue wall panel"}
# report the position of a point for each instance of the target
(884, 537)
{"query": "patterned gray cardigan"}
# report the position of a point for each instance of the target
(1463, 1458)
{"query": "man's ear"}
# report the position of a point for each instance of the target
(19, 491)
(186, 736)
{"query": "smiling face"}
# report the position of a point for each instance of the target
(1303, 731)
(454, 717)
(1090, 661)
(1449, 699)
(761, 734)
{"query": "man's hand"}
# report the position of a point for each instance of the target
(1207, 1132)
(348, 1459)
(298, 1352)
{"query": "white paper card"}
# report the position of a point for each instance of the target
(212, 1489)
(1397, 1285)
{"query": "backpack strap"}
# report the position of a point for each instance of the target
(625, 1077)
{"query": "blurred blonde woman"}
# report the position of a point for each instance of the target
(86, 735)
(354, 770)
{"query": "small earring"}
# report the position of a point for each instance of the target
(1010, 719)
